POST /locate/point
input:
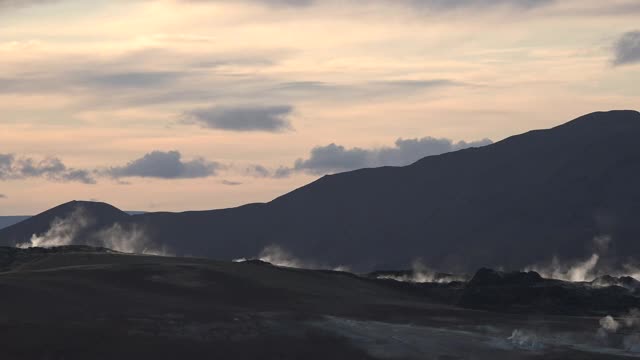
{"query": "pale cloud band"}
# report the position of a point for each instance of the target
(432, 4)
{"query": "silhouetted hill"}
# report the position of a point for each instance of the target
(514, 203)
(85, 217)
(6, 221)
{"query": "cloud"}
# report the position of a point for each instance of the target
(132, 79)
(627, 49)
(65, 80)
(52, 168)
(165, 165)
(334, 158)
(243, 118)
(20, 3)
(3, 196)
(433, 4)
(276, 3)
(296, 3)
(365, 90)
(258, 171)
(456, 4)
(230, 183)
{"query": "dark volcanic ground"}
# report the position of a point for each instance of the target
(87, 303)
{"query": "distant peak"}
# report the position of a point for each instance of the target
(613, 118)
(90, 206)
(86, 202)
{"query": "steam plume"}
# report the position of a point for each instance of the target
(61, 231)
(586, 270)
(525, 340)
(67, 231)
(277, 255)
(629, 322)
(420, 273)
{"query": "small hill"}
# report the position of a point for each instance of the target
(75, 219)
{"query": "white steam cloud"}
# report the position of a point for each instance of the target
(525, 340)
(629, 324)
(420, 273)
(277, 255)
(66, 231)
(586, 270)
(579, 271)
(609, 325)
(133, 240)
(61, 231)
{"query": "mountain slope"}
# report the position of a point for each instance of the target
(6, 221)
(514, 203)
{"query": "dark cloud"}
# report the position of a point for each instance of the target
(243, 118)
(336, 158)
(52, 168)
(165, 165)
(627, 49)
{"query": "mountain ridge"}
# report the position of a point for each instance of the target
(514, 203)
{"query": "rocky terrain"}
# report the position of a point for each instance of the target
(81, 302)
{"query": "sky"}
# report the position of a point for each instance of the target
(180, 105)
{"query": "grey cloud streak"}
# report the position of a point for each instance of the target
(165, 165)
(627, 48)
(243, 118)
(156, 164)
(51, 168)
(336, 158)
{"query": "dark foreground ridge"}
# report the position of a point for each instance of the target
(514, 203)
(528, 292)
(88, 303)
